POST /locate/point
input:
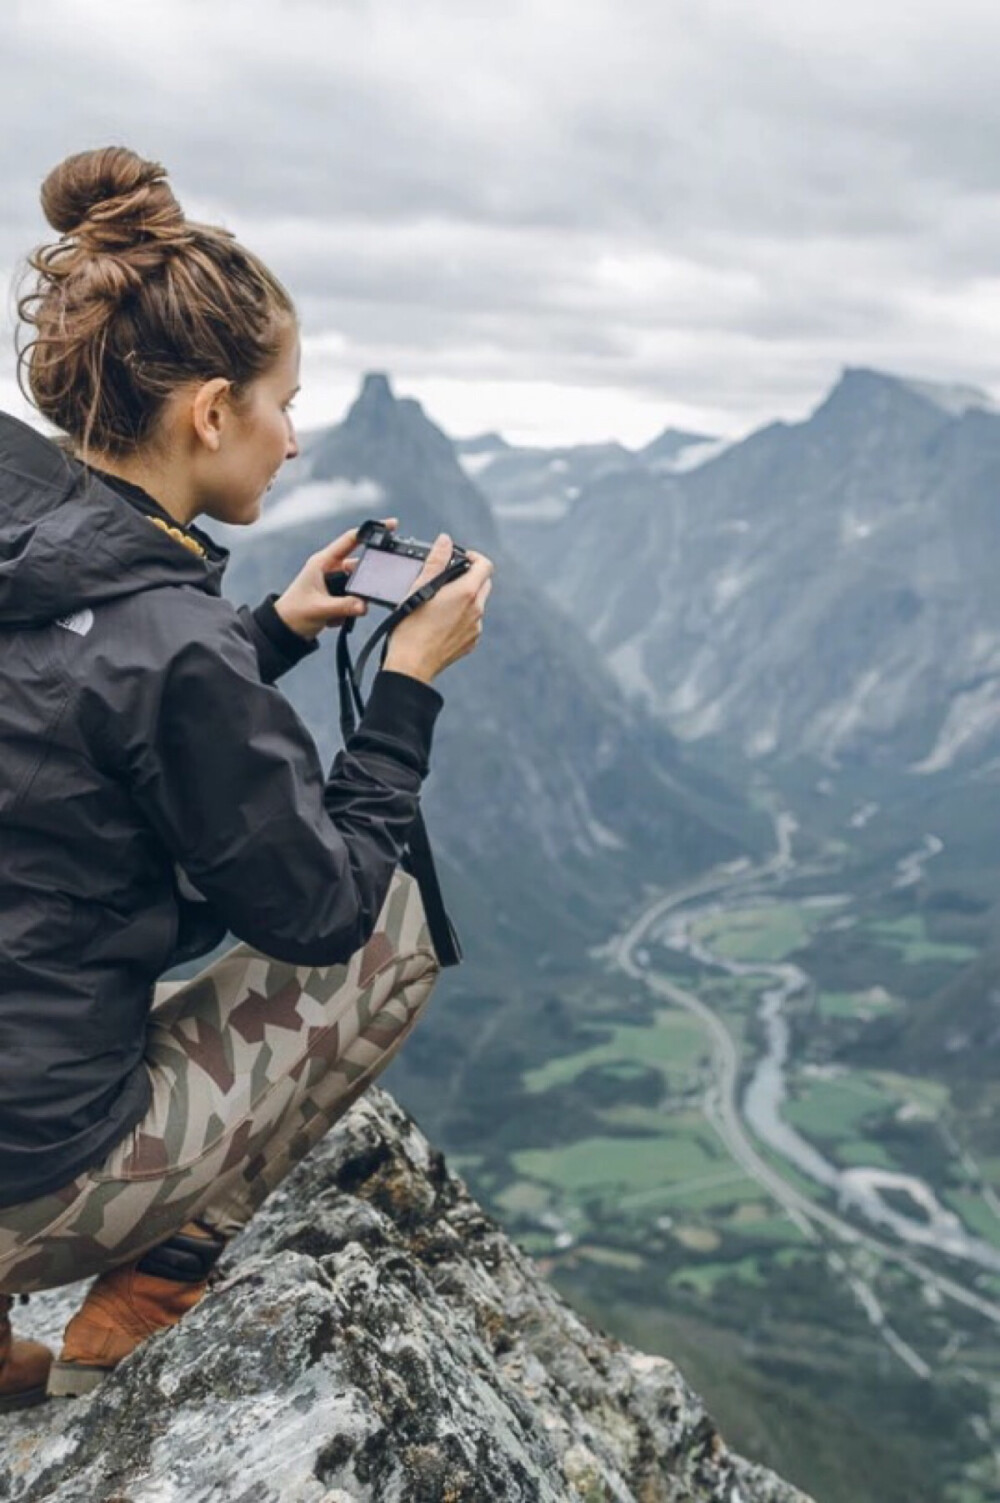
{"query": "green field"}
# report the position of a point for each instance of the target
(975, 1213)
(918, 1095)
(864, 1153)
(873, 1003)
(675, 1044)
(910, 936)
(724, 1187)
(615, 1166)
(703, 1277)
(609, 1257)
(779, 1229)
(768, 933)
(832, 1108)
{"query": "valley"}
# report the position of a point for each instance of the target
(739, 1167)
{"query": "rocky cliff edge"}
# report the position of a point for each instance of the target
(375, 1337)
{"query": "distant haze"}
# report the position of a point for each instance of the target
(568, 221)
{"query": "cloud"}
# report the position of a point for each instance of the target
(701, 210)
(316, 499)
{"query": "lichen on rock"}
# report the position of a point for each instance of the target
(376, 1338)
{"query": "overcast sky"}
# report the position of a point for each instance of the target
(566, 219)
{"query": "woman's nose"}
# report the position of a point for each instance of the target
(293, 442)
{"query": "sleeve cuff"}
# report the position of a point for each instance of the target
(400, 716)
(279, 648)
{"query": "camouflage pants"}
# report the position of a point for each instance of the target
(250, 1062)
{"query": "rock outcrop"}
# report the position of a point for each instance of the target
(375, 1336)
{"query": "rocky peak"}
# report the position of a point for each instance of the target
(377, 1338)
(482, 443)
(874, 398)
(376, 393)
(392, 442)
(671, 442)
(377, 408)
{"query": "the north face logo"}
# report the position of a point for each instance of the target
(81, 622)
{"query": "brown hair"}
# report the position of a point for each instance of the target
(134, 300)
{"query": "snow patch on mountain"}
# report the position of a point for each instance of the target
(763, 741)
(690, 697)
(854, 530)
(831, 730)
(971, 720)
(591, 833)
(692, 456)
(475, 464)
(626, 663)
(726, 587)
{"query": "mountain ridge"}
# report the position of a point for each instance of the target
(820, 588)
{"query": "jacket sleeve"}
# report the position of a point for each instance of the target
(297, 864)
(277, 646)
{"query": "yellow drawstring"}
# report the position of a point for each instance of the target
(177, 535)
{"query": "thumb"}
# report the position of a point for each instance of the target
(439, 558)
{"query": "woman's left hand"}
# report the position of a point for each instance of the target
(307, 605)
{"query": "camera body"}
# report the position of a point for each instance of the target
(389, 565)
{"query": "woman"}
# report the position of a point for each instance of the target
(157, 790)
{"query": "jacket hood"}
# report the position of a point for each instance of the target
(67, 540)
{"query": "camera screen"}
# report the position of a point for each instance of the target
(384, 576)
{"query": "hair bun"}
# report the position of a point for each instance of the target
(110, 198)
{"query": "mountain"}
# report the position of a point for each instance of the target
(375, 1337)
(543, 485)
(823, 588)
(675, 450)
(540, 484)
(481, 443)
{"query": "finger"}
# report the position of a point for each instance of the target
(334, 551)
(480, 558)
(437, 559)
(348, 605)
(479, 573)
(483, 593)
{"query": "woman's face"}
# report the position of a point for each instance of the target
(257, 438)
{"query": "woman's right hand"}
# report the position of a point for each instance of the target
(449, 625)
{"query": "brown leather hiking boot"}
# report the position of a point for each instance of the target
(127, 1304)
(24, 1365)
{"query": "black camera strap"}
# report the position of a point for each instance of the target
(417, 858)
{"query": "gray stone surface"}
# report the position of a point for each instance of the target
(375, 1337)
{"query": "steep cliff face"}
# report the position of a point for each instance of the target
(375, 1337)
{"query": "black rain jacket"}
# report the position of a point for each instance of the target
(156, 791)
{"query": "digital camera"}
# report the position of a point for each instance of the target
(389, 565)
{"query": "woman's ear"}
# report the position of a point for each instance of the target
(209, 410)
